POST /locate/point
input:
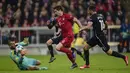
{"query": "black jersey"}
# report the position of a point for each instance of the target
(57, 29)
(98, 24)
(99, 27)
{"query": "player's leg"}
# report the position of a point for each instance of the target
(127, 45)
(68, 52)
(86, 56)
(118, 55)
(31, 64)
(50, 47)
(73, 50)
(79, 50)
(38, 62)
(91, 43)
(72, 46)
(106, 48)
(66, 42)
(33, 68)
(79, 53)
(36, 68)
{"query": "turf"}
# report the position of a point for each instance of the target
(100, 63)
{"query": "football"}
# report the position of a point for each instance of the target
(23, 52)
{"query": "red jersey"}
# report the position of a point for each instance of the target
(65, 23)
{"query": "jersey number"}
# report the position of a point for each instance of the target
(102, 24)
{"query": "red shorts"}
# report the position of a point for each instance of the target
(67, 41)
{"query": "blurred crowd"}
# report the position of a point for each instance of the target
(35, 13)
(30, 13)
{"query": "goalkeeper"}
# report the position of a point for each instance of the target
(17, 54)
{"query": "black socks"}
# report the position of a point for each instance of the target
(50, 47)
(116, 54)
(86, 56)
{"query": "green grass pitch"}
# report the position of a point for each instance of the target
(99, 63)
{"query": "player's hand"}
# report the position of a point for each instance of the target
(51, 20)
(23, 52)
(48, 22)
(26, 40)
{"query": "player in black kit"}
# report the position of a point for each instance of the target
(55, 39)
(97, 22)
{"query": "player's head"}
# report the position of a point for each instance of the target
(58, 10)
(11, 43)
(91, 9)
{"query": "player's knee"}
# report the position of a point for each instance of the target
(38, 62)
(59, 46)
(49, 42)
(109, 52)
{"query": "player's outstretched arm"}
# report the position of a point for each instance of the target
(87, 27)
(25, 42)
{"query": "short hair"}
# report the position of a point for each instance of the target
(92, 7)
(11, 39)
(58, 8)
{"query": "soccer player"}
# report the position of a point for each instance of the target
(65, 22)
(97, 22)
(58, 37)
(54, 40)
(17, 54)
(76, 32)
(79, 41)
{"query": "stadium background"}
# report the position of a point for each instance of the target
(27, 18)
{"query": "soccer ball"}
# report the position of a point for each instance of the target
(23, 52)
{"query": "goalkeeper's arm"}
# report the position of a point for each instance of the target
(22, 52)
(25, 42)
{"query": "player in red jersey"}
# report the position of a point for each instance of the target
(65, 22)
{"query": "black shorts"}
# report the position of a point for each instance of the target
(56, 39)
(100, 41)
